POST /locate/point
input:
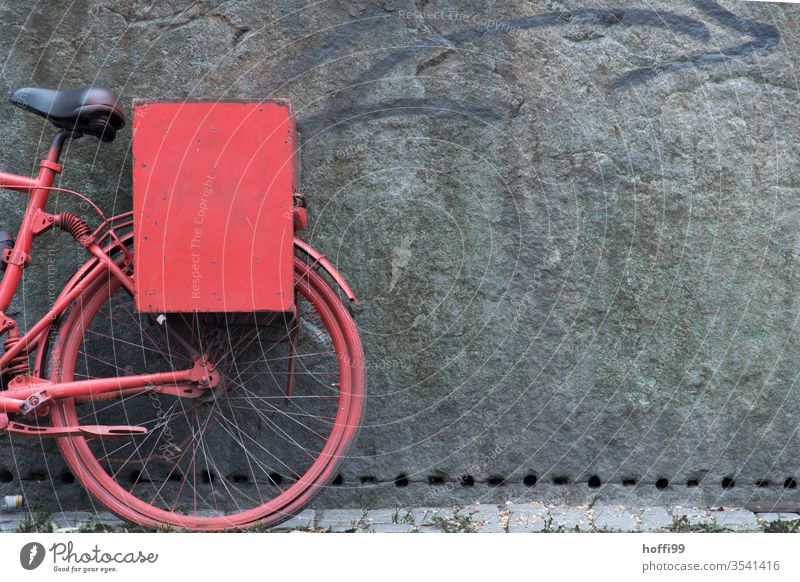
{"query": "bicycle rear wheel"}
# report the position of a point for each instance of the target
(241, 454)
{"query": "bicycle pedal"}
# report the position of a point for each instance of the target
(89, 431)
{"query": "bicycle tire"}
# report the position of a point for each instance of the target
(71, 351)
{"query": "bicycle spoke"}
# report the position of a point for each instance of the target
(227, 449)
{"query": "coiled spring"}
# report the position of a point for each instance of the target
(19, 364)
(73, 224)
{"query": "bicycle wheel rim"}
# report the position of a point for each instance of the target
(91, 473)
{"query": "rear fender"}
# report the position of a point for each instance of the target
(318, 259)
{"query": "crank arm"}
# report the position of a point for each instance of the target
(183, 391)
(202, 375)
(89, 431)
(26, 406)
(180, 390)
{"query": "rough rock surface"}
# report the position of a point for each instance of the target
(572, 226)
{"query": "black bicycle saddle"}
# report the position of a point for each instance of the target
(90, 110)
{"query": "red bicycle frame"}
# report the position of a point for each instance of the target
(30, 394)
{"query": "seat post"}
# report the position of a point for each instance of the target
(58, 142)
(49, 168)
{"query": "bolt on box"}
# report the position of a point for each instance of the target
(212, 199)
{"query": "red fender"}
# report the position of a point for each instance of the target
(316, 257)
(319, 259)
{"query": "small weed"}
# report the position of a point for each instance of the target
(36, 522)
(781, 526)
(682, 525)
(548, 524)
(95, 527)
(258, 528)
(361, 523)
(458, 523)
(399, 517)
(548, 527)
(132, 528)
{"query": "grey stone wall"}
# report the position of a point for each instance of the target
(572, 227)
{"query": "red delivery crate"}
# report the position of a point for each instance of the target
(212, 199)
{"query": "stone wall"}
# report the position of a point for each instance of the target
(572, 227)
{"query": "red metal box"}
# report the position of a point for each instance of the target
(212, 201)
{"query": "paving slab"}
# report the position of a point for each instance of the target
(486, 517)
(655, 519)
(392, 528)
(109, 519)
(9, 521)
(736, 520)
(388, 516)
(71, 520)
(424, 516)
(341, 520)
(303, 520)
(570, 518)
(479, 518)
(426, 529)
(694, 515)
(527, 517)
(779, 516)
(615, 518)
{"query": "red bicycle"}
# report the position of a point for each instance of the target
(200, 420)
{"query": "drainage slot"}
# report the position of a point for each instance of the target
(338, 480)
(594, 482)
(401, 480)
(530, 480)
(728, 483)
(763, 483)
(790, 483)
(560, 480)
(368, 480)
(35, 475)
(662, 483)
(137, 476)
(629, 482)
(435, 480)
(238, 478)
(6, 476)
(692, 483)
(275, 479)
(67, 478)
(467, 480)
(496, 480)
(207, 476)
